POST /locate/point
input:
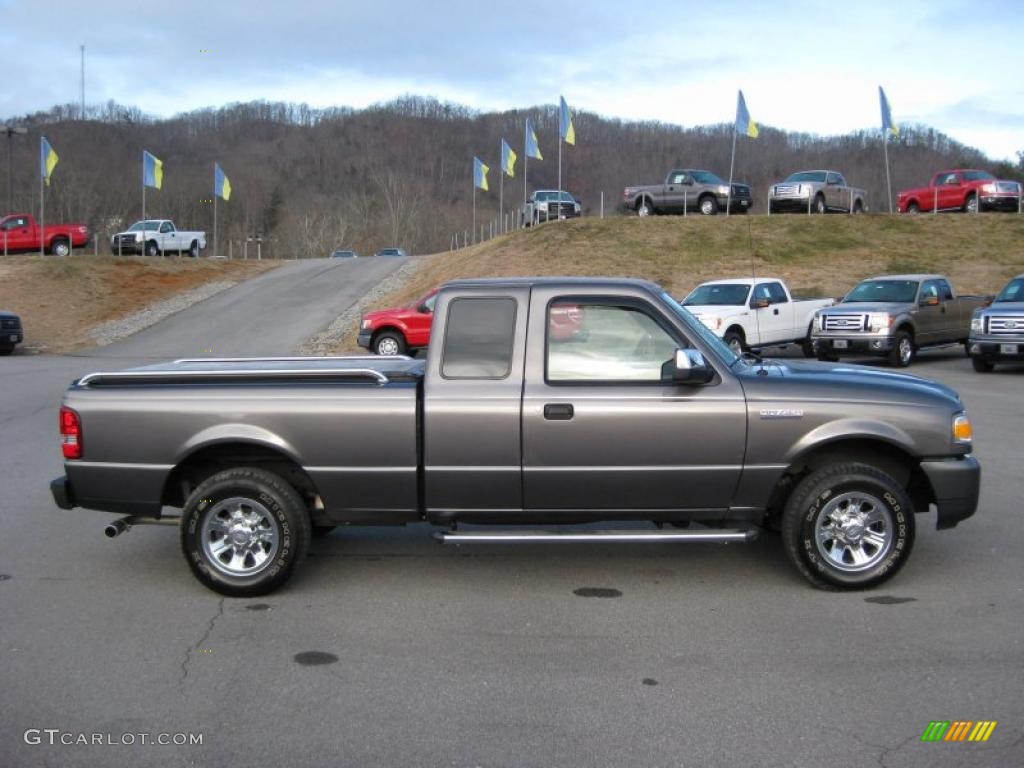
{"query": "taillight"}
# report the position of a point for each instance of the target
(70, 433)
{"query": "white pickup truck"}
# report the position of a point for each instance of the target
(155, 237)
(750, 313)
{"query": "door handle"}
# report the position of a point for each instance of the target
(558, 411)
(775, 311)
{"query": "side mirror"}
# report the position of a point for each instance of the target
(759, 304)
(689, 367)
(930, 301)
(423, 309)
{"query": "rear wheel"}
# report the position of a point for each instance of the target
(819, 204)
(644, 208)
(60, 247)
(389, 343)
(902, 352)
(193, 250)
(981, 365)
(243, 531)
(708, 205)
(848, 526)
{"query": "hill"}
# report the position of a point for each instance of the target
(399, 173)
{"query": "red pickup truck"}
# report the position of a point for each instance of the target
(960, 190)
(20, 233)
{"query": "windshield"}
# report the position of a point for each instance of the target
(978, 176)
(138, 226)
(545, 197)
(706, 177)
(697, 328)
(1014, 291)
(718, 294)
(807, 176)
(897, 291)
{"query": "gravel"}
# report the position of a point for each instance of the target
(328, 340)
(115, 330)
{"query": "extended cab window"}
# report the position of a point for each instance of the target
(478, 339)
(593, 341)
(677, 178)
(165, 227)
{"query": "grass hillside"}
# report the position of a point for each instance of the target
(816, 255)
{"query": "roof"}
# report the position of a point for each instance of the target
(589, 282)
(741, 280)
(907, 277)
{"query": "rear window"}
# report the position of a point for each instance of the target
(478, 339)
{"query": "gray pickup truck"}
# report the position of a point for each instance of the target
(685, 190)
(634, 413)
(816, 192)
(894, 316)
(997, 332)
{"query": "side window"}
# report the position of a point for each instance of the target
(761, 291)
(833, 178)
(429, 303)
(677, 178)
(776, 293)
(930, 288)
(165, 227)
(950, 179)
(478, 339)
(945, 290)
(593, 341)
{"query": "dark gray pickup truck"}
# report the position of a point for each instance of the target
(688, 190)
(521, 423)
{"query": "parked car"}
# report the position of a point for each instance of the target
(750, 313)
(687, 190)
(11, 333)
(648, 417)
(155, 237)
(398, 330)
(817, 191)
(344, 254)
(391, 252)
(959, 190)
(997, 331)
(895, 316)
(21, 234)
(546, 204)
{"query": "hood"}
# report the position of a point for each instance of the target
(8, 314)
(891, 307)
(715, 309)
(1002, 306)
(850, 383)
(390, 313)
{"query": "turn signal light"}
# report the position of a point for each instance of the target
(70, 433)
(962, 431)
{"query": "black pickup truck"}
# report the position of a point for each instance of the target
(543, 403)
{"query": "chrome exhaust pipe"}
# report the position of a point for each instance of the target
(123, 524)
(117, 527)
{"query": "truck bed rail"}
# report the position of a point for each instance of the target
(224, 376)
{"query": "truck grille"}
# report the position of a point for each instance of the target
(1006, 324)
(844, 323)
(786, 189)
(10, 323)
(740, 190)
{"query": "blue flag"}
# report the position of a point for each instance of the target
(221, 185)
(530, 145)
(152, 170)
(480, 174)
(565, 126)
(47, 159)
(888, 126)
(744, 124)
(508, 160)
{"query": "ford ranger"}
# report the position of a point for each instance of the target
(21, 234)
(895, 316)
(643, 419)
(687, 190)
(959, 190)
(751, 313)
(997, 332)
(156, 237)
(817, 192)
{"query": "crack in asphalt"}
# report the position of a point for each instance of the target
(206, 636)
(884, 751)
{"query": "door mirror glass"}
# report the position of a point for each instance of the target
(930, 301)
(690, 367)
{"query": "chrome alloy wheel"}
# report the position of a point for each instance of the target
(239, 536)
(387, 347)
(853, 532)
(906, 350)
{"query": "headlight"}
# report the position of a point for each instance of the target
(723, 189)
(138, 235)
(878, 321)
(977, 324)
(988, 187)
(962, 432)
(819, 322)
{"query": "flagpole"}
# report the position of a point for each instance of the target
(501, 182)
(42, 214)
(474, 209)
(526, 193)
(888, 180)
(559, 201)
(142, 250)
(215, 210)
(732, 161)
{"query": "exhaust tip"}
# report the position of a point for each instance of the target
(116, 528)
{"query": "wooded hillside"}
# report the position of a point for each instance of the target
(400, 173)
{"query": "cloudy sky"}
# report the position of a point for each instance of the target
(814, 67)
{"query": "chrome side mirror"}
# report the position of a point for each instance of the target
(691, 368)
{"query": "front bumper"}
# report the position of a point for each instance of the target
(1000, 203)
(996, 348)
(956, 484)
(852, 345)
(363, 339)
(61, 490)
(10, 338)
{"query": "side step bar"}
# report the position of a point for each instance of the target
(713, 535)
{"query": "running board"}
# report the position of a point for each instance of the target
(713, 535)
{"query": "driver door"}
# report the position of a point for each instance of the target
(602, 428)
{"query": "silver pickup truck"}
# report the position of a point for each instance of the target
(633, 413)
(997, 332)
(894, 316)
(817, 192)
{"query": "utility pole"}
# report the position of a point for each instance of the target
(10, 130)
(82, 116)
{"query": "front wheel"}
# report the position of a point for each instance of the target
(708, 205)
(971, 204)
(152, 249)
(848, 526)
(913, 209)
(734, 340)
(243, 531)
(902, 352)
(981, 365)
(389, 344)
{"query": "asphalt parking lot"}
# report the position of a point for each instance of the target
(388, 649)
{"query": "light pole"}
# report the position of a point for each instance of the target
(10, 130)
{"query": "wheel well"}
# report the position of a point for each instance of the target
(905, 327)
(385, 329)
(891, 459)
(212, 459)
(737, 329)
(641, 200)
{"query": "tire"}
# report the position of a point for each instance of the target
(193, 250)
(858, 207)
(981, 365)
(152, 249)
(971, 204)
(6, 350)
(644, 208)
(60, 247)
(902, 353)
(848, 526)
(735, 341)
(913, 209)
(707, 205)
(259, 510)
(819, 204)
(389, 344)
(807, 347)
(827, 358)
